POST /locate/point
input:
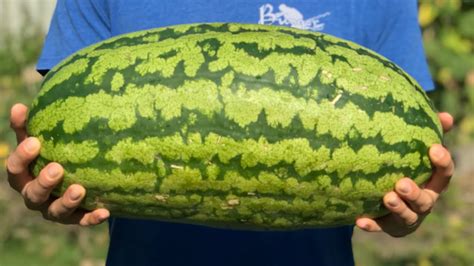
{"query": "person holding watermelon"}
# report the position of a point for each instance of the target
(388, 27)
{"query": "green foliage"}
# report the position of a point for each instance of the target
(448, 35)
(20, 50)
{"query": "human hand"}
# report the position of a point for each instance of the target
(36, 191)
(409, 204)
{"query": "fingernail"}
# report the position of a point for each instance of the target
(75, 195)
(393, 202)
(53, 172)
(30, 145)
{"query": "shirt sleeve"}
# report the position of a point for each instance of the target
(398, 37)
(75, 24)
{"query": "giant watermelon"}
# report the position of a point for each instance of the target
(234, 125)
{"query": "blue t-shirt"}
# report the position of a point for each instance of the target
(389, 27)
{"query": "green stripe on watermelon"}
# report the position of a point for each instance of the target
(234, 125)
(242, 107)
(243, 58)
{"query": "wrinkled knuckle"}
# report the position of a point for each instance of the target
(14, 126)
(414, 196)
(399, 209)
(69, 205)
(12, 165)
(45, 183)
(23, 152)
(426, 209)
(85, 222)
(58, 212)
(29, 199)
(411, 220)
(431, 200)
(446, 161)
(33, 202)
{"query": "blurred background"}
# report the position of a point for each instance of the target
(446, 237)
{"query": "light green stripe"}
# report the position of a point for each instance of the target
(243, 107)
(189, 52)
(369, 78)
(115, 179)
(394, 130)
(369, 160)
(117, 82)
(186, 180)
(72, 152)
(119, 110)
(290, 151)
(340, 122)
(280, 107)
(110, 61)
(200, 95)
(364, 76)
(149, 150)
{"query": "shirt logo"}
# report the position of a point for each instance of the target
(290, 16)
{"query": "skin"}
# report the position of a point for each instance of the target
(36, 192)
(409, 203)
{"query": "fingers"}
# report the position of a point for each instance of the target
(443, 170)
(399, 209)
(95, 217)
(447, 121)
(18, 115)
(64, 206)
(66, 209)
(368, 225)
(399, 222)
(83, 217)
(419, 200)
(18, 161)
(25, 152)
(409, 204)
(38, 191)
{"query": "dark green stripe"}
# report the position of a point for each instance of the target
(62, 91)
(220, 125)
(253, 49)
(324, 91)
(146, 128)
(169, 33)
